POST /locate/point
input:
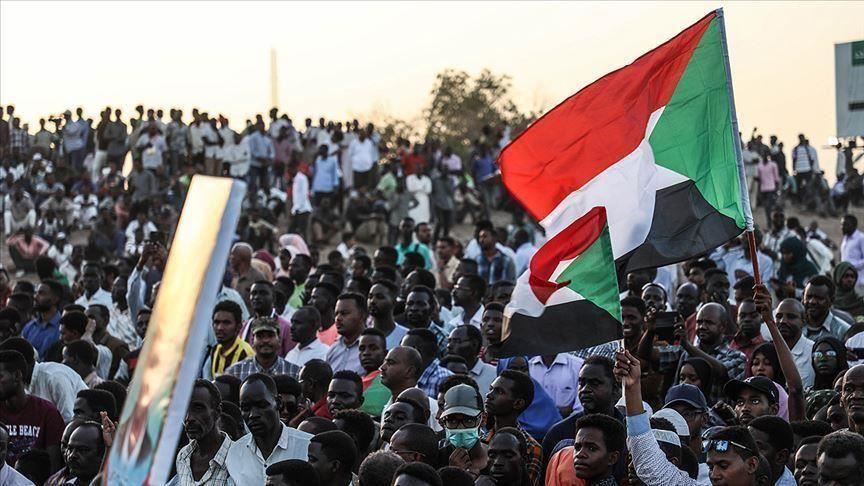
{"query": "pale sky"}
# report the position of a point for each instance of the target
(362, 59)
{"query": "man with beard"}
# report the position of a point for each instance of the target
(654, 297)
(266, 347)
(748, 336)
(840, 458)
(44, 330)
(852, 398)
(84, 453)
(598, 392)
(790, 321)
(34, 423)
(468, 296)
(420, 308)
(203, 460)
(305, 324)
(323, 298)
(261, 298)
(373, 350)
(351, 315)
(818, 299)
(381, 301)
(345, 392)
(754, 397)
(466, 342)
(298, 270)
(508, 457)
(401, 412)
(712, 321)
(269, 440)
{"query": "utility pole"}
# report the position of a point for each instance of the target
(274, 80)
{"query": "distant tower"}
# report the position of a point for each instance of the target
(274, 80)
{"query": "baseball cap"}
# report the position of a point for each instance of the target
(685, 393)
(759, 383)
(265, 323)
(675, 418)
(462, 399)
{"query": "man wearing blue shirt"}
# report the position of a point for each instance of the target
(325, 179)
(261, 155)
(44, 329)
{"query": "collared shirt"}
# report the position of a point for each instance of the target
(260, 147)
(802, 354)
(432, 377)
(650, 461)
(42, 334)
(395, 337)
(499, 267)
(534, 461)
(773, 239)
(101, 297)
(300, 356)
(217, 470)
(300, 194)
(458, 319)
(732, 359)
(326, 176)
(804, 159)
(58, 384)
(361, 155)
(246, 465)
(11, 477)
(560, 380)
(746, 347)
(121, 327)
(786, 479)
(483, 374)
(243, 369)
(342, 356)
(222, 358)
(416, 247)
(831, 326)
(852, 251)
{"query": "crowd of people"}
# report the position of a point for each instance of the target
(373, 363)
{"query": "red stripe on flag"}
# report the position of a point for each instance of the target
(566, 245)
(596, 127)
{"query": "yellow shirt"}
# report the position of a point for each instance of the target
(223, 358)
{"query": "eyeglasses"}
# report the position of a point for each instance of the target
(817, 355)
(408, 456)
(456, 421)
(722, 446)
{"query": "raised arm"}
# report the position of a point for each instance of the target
(794, 385)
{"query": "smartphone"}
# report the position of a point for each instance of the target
(665, 325)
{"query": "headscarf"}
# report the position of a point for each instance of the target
(800, 268)
(295, 243)
(767, 350)
(265, 257)
(706, 376)
(542, 414)
(842, 365)
(847, 300)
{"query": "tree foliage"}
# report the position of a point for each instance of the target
(461, 106)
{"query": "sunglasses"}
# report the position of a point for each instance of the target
(824, 354)
(722, 446)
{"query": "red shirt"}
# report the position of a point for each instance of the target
(413, 164)
(38, 425)
(328, 336)
(320, 408)
(744, 346)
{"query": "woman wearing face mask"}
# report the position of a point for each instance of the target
(461, 418)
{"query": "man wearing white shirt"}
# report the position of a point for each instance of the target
(301, 206)
(91, 277)
(269, 441)
(360, 154)
(852, 246)
(305, 323)
(559, 377)
(152, 146)
(466, 341)
(468, 295)
(61, 250)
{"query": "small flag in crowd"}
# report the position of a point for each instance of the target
(650, 153)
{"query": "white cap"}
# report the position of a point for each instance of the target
(675, 418)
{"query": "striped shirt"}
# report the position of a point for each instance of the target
(242, 369)
(222, 358)
(217, 471)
